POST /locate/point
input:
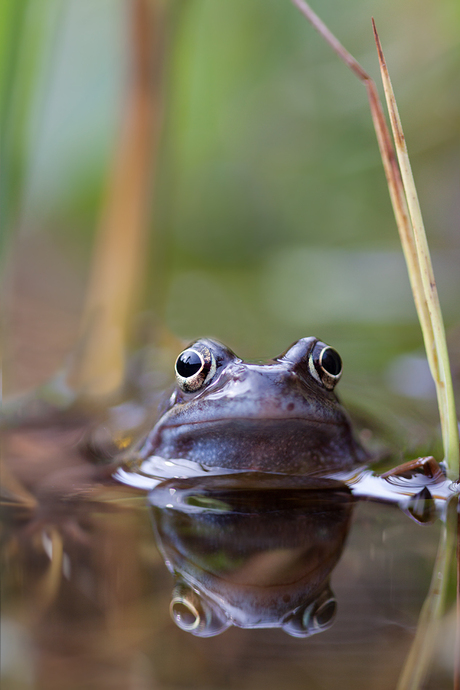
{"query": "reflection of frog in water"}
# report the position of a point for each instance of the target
(252, 549)
(277, 417)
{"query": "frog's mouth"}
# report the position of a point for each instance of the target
(252, 421)
(293, 444)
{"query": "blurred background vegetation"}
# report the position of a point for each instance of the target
(183, 168)
(267, 216)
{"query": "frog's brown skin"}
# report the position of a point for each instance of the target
(275, 417)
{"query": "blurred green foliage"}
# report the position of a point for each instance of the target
(267, 154)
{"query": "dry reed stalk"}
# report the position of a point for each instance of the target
(413, 239)
(420, 261)
(98, 367)
(416, 252)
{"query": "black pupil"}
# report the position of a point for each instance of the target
(331, 362)
(188, 364)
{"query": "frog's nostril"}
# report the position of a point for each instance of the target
(239, 373)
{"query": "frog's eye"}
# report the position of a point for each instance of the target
(313, 619)
(325, 365)
(194, 367)
(192, 613)
(324, 615)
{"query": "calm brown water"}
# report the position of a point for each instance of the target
(86, 592)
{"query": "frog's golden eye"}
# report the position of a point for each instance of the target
(194, 367)
(194, 614)
(325, 365)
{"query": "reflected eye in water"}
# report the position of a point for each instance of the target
(193, 614)
(325, 365)
(184, 614)
(194, 367)
(314, 618)
(325, 615)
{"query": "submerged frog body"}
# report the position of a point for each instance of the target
(282, 416)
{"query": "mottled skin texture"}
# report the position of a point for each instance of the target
(273, 417)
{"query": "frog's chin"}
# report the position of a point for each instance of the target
(287, 444)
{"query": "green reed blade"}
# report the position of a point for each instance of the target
(434, 333)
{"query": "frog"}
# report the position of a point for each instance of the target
(281, 416)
